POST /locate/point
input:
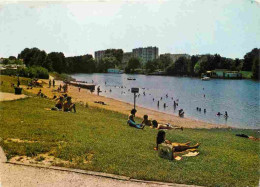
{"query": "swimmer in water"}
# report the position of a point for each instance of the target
(226, 114)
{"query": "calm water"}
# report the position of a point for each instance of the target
(240, 98)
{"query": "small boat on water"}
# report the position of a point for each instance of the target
(132, 79)
(205, 78)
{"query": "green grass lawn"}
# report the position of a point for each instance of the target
(246, 74)
(7, 80)
(103, 139)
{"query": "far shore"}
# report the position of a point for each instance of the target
(85, 96)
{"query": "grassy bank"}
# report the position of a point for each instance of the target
(62, 76)
(8, 80)
(99, 140)
(246, 74)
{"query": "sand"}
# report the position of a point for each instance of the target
(85, 96)
(10, 96)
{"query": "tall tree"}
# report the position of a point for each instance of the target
(181, 66)
(58, 62)
(194, 59)
(164, 61)
(33, 56)
(255, 68)
(249, 58)
(151, 66)
(133, 64)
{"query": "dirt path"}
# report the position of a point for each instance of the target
(10, 96)
(84, 96)
(18, 175)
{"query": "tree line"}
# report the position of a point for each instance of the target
(190, 66)
(198, 64)
(56, 61)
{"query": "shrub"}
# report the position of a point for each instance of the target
(34, 72)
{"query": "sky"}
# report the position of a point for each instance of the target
(230, 28)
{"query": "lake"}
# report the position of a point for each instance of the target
(240, 98)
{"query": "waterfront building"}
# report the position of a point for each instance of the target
(114, 70)
(146, 54)
(224, 74)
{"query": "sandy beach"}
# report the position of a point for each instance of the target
(85, 96)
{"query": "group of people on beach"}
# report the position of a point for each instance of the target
(146, 122)
(64, 103)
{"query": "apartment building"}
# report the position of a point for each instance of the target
(146, 54)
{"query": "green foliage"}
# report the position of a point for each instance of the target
(255, 68)
(34, 72)
(181, 66)
(133, 64)
(12, 58)
(58, 62)
(81, 64)
(12, 61)
(31, 72)
(8, 80)
(33, 57)
(106, 63)
(170, 70)
(164, 61)
(62, 76)
(151, 66)
(246, 74)
(249, 58)
(116, 53)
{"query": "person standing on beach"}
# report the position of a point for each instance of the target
(98, 90)
(18, 82)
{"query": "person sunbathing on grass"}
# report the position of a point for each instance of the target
(68, 105)
(146, 121)
(59, 104)
(168, 126)
(178, 147)
(131, 121)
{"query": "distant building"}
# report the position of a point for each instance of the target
(224, 73)
(126, 57)
(99, 55)
(111, 70)
(175, 57)
(146, 54)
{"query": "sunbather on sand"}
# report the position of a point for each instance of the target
(131, 121)
(178, 147)
(68, 105)
(164, 126)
